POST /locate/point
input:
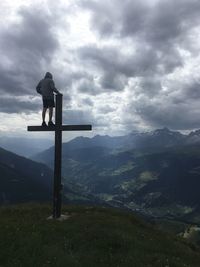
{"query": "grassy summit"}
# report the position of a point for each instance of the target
(91, 237)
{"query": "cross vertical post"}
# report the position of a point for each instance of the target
(57, 196)
(58, 128)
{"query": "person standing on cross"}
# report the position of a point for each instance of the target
(46, 88)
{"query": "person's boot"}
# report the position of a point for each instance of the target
(44, 124)
(51, 123)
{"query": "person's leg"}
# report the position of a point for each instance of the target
(51, 105)
(44, 114)
(50, 113)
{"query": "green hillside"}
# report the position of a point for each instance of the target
(23, 180)
(91, 237)
(160, 184)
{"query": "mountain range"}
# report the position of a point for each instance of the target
(156, 173)
(148, 141)
(24, 180)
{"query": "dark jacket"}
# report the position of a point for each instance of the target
(46, 86)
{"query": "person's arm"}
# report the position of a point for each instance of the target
(38, 88)
(54, 88)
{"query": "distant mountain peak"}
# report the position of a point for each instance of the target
(197, 132)
(164, 129)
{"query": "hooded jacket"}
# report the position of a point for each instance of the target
(46, 86)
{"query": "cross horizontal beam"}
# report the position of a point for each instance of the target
(85, 127)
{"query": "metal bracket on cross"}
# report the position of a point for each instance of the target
(58, 129)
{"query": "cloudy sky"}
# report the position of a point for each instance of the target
(121, 65)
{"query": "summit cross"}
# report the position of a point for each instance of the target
(58, 129)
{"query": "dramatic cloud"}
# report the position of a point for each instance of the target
(18, 105)
(28, 44)
(121, 65)
(154, 48)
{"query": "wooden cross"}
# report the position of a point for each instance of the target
(58, 128)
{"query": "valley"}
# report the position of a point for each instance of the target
(156, 174)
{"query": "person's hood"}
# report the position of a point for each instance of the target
(48, 75)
